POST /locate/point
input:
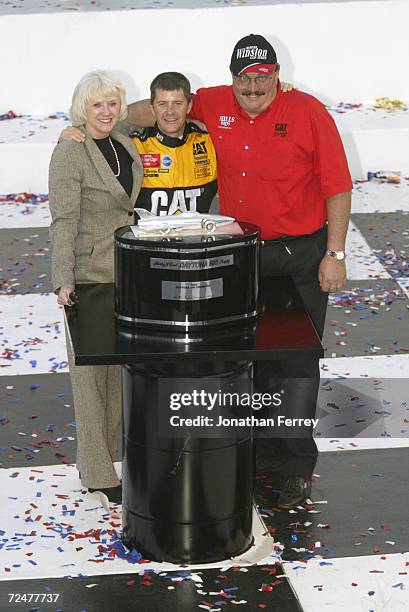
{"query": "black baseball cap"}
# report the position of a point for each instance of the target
(253, 53)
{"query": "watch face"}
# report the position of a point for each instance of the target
(340, 255)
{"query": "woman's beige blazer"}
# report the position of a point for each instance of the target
(87, 205)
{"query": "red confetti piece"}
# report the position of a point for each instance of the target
(270, 571)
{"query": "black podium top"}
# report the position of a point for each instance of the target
(283, 329)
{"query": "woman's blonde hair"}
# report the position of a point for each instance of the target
(100, 83)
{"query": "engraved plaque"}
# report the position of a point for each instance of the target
(189, 291)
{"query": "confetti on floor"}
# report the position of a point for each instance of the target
(377, 583)
(56, 528)
(32, 337)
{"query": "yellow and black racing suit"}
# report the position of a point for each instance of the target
(178, 173)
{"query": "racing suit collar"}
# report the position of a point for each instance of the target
(170, 141)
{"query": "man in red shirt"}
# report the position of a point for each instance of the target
(281, 165)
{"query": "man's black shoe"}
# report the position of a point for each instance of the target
(114, 494)
(295, 490)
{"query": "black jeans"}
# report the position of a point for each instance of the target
(299, 258)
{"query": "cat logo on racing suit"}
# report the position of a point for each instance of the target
(179, 174)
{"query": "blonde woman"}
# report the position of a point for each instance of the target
(93, 187)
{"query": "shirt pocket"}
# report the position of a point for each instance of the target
(227, 150)
(276, 161)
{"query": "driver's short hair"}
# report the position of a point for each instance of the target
(170, 81)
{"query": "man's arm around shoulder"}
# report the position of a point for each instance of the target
(140, 113)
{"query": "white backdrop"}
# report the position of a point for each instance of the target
(337, 51)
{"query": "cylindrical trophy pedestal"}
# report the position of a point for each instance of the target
(186, 283)
(186, 500)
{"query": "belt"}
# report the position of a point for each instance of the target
(289, 237)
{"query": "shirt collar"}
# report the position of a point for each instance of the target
(171, 141)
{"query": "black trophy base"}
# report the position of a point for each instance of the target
(190, 543)
(185, 499)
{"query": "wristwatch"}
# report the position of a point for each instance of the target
(340, 255)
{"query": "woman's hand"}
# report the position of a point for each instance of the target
(285, 87)
(66, 296)
(73, 133)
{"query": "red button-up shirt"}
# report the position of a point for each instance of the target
(278, 169)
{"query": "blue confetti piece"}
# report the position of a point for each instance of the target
(227, 590)
(34, 387)
(33, 363)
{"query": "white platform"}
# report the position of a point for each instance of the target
(338, 51)
(375, 583)
(61, 6)
(26, 145)
(371, 135)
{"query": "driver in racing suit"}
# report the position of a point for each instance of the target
(179, 160)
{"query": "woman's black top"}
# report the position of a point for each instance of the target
(125, 161)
